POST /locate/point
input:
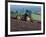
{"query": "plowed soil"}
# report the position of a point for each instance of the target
(19, 25)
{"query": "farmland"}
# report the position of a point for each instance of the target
(19, 25)
(25, 18)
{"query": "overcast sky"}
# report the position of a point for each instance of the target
(24, 7)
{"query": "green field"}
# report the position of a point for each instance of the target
(36, 17)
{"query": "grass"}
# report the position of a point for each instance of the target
(36, 17)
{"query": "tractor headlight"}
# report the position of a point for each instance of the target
(28, 19)
(18, 17)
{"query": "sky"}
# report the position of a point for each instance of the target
(22, 8)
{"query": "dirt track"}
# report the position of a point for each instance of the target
(17, 25)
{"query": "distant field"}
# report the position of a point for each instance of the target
(36, 17)
(12, 14)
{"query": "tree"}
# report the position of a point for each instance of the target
(28, 12)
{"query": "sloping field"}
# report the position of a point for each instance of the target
(36, 17)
